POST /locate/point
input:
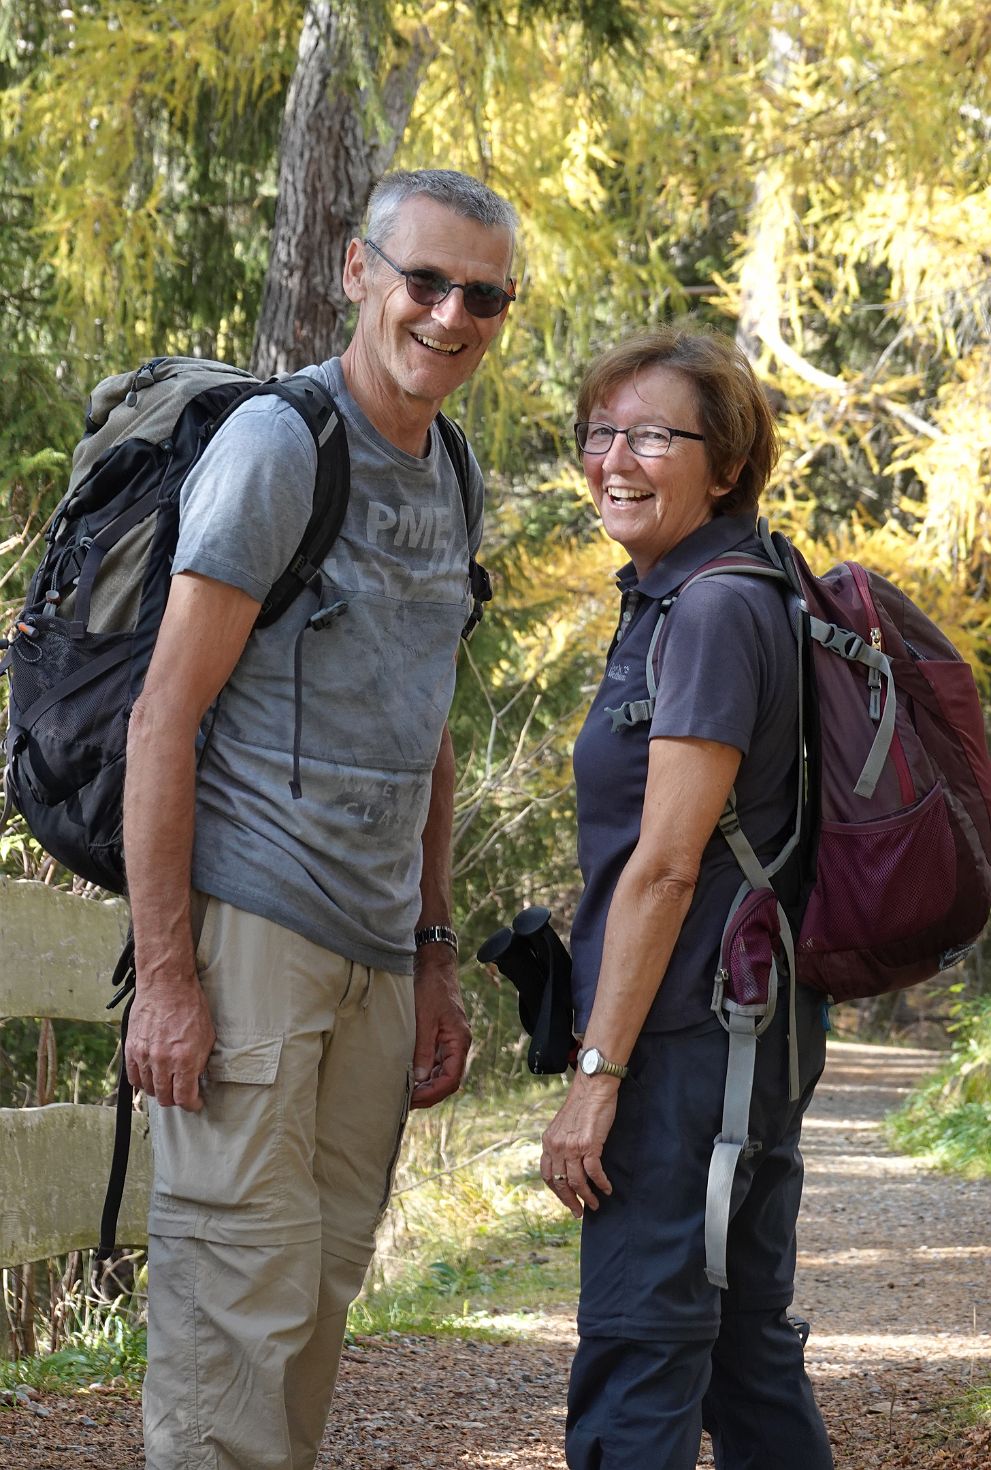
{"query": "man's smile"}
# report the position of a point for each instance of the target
(449, 348)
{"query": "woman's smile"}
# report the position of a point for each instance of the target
(651, 502)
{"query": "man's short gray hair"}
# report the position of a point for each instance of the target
(456, 191)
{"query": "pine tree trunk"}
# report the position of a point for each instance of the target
(331, 156)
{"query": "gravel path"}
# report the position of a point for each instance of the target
(894, 1275)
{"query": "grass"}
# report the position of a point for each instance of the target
(960, 1422)
(473, 1243)
(947, 1120)
(975, 1406)
(111, 1354)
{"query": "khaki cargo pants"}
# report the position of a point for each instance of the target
(265, 1204)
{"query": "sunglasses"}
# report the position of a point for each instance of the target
(428, 288)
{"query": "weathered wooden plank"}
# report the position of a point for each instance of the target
(57, 952)
(54, 1164)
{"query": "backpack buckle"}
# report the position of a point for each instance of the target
(326, 615)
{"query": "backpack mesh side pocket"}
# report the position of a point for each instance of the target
(68, 731)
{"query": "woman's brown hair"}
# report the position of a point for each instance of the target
(735, 417)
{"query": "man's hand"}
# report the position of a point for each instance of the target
(571, 1163)
(443, 1035)
(170, 1036)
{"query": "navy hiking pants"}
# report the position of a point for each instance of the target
(662, 1352)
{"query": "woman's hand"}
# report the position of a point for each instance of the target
(571, 1163)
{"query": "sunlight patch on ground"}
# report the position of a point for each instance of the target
(557, 1324)
(823, 1167)
(832, 1353)
(884, 1091)
(813, 1124)
(922, 1257)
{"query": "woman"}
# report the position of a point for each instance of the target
(677, 444)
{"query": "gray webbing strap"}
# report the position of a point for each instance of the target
(638, 711)
(852, 647)
(730, 1142)
(743, 1025)
(757, 877)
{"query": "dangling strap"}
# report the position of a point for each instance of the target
(731, 1143)
(320, 619)
(6, 810)
(480, 587)
(123, 982)
(745, 1025)
(757, 876)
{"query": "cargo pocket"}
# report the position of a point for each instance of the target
(228, 1159)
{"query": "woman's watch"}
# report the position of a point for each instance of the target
(592, 1062)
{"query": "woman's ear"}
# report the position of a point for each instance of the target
(732, 475)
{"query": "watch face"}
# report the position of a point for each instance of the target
(590, 1061)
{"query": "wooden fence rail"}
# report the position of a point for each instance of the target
(57, 954)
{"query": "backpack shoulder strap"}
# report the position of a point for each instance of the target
(456, 444)
(638, 711)
(331, 492)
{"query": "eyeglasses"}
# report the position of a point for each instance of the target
(428, 288)
(648, 441)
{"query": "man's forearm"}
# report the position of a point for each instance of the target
(159, 814)
(171, 1032)
(442, 1032)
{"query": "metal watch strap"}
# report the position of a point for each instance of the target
(611, 1069)
(436, 934)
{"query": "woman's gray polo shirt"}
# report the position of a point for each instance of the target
(728, 672)
(341, 865)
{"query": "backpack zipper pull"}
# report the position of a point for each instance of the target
(874, 681)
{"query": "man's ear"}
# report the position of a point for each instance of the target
(353, 277)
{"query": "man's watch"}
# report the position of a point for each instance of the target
(436, 934)
(592, 1062)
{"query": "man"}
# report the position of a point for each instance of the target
(278, 989)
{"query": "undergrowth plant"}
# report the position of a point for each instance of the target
(473, 1242)
(948, 1118)
(103, 1344)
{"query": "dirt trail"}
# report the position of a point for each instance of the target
(895, 1275)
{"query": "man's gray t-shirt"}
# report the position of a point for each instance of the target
(340, 865)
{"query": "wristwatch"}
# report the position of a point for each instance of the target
(436, 934)
(592, 1062)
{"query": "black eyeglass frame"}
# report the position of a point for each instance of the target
(492, 295)
(586, 424)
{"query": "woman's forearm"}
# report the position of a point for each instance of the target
(645, 919)
(688, 782)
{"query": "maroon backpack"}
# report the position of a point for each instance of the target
(897, 824)
(886, 878)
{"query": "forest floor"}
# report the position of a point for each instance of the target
(894, 1274)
